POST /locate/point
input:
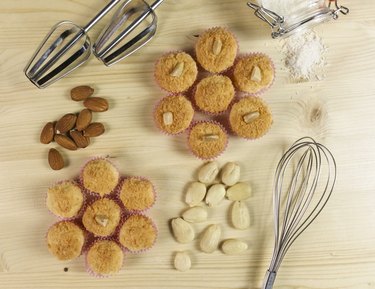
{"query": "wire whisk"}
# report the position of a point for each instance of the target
(304, 181)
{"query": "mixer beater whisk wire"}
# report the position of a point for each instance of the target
(311, 169)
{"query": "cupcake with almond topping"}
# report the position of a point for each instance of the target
(173, 114)
(253, 73)
(176, 72)
(250, 118)
(102, 217)
(207, 139)
(216, 49)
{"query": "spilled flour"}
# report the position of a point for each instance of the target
(304, 56)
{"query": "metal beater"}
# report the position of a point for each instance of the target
(65, 48)
(133, 26)
(311, 168)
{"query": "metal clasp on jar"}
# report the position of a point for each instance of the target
(277, 22)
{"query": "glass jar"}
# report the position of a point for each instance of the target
(288, 16)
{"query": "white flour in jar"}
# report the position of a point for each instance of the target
(304, 51)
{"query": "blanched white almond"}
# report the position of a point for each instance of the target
(208, 172)
(215, 195)
(182, 261)
(240, 215)
(167, 118)
(182, 230)
(230, 174)
(210, 137)
(178, 69)
(239, 192)
(217, 46)
(256, 74)
(195, 193)
(195, 215)
(210, 239)
(233, 247)
(251, 116)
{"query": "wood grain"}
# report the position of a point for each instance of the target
(336, 252)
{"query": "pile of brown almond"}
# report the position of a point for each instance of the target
(208, 191)
(74, 130)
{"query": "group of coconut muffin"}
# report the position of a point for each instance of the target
(216, 82)
(101, 215)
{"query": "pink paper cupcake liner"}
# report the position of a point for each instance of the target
(130, 211)
(155, 110)
(126, 217)
(90, 193)
(200, 67)
(157, 81)
(87, 266)
(262, 90)
(213, 122)
(80, 212)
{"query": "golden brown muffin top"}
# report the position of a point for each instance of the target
(176, 72)
(138, 233)
(174, 114)
(243, 71)
(207, 140)
(100, 176)
(105, 257)
(214, 93)
(137, 194)
(102, 217)
(65, 240)
(216, 49)
(250, 118)
(65, 199)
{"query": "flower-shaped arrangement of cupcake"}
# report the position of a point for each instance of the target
(101, 216)
(216, 81)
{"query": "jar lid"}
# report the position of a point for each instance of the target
(280, 27)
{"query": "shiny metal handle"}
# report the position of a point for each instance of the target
(100, 15)
(269, 279)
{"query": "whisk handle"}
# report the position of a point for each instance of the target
(156, 4)
(269, 279)
(100, 15)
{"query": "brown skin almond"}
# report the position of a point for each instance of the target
(65, 142)
(96, 104)
(47, 134)
(80, 140)
(81, 92)
(93, 130)
(55, 160)
(84, 119)
(66, 123)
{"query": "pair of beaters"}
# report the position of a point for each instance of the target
(67, 46)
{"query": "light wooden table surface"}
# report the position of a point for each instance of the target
(338, 251)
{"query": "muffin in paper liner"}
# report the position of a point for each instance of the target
(253, 65)
(66, 239)
(173, 114)
(102, 216)
(136, 194)
(207, 139)
(99, 177)
(137, 233)
(66, 199)
(104, 257)
(216, 49)
(175, 71)
(213, 94)
(250, 118)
